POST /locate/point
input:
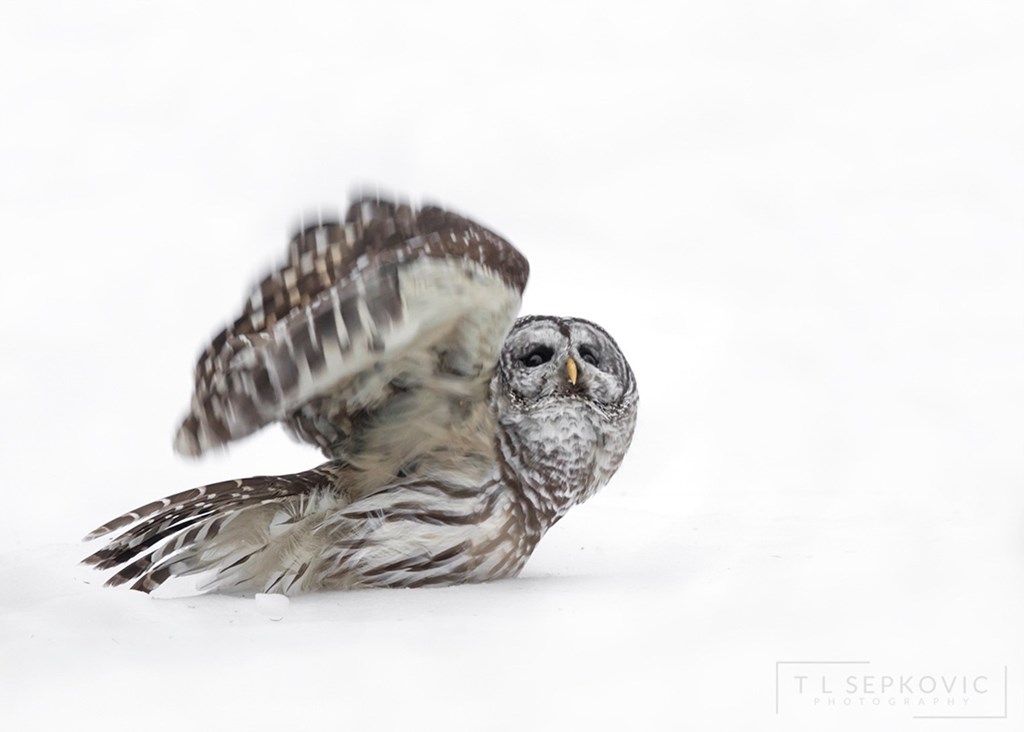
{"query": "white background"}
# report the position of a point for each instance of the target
(802, 221)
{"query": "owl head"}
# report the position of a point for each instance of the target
(566, 403)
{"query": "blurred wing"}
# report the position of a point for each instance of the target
(381, 303)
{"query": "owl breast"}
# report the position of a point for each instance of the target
(562, 451)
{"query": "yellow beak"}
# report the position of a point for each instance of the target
(570, 370)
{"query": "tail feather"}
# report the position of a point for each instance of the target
(192, 498)
(176, 535)
(176, 517)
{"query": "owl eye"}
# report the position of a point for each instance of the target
(589, 355)
(537, 356)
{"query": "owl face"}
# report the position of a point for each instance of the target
(566, 405)
(547, 359)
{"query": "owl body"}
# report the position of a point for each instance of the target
(456, 436)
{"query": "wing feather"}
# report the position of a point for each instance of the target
(389, 297)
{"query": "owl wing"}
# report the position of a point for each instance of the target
(392, 300)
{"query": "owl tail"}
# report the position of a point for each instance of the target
(249, 533)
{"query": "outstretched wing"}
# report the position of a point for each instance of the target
(391, 301)
(160, 536)
(161, 529)
(297, 533)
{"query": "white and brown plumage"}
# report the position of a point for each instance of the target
(455, 435)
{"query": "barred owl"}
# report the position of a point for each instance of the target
(455, 435)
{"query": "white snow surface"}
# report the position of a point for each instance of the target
(802, 222)
(273, 605)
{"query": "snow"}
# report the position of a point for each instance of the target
(801, 221)
(272, 605)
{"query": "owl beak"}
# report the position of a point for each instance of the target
(570, 370)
